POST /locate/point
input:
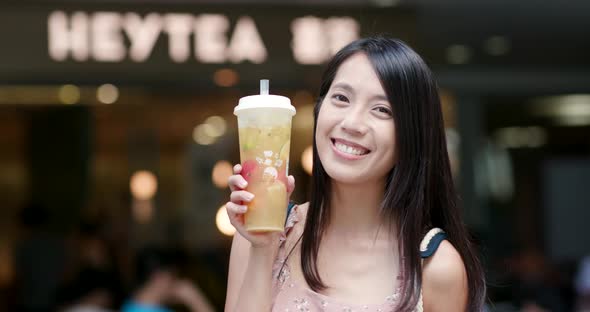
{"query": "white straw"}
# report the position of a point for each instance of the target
(264, 86)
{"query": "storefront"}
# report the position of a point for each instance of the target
(96, 98)
(130, 85)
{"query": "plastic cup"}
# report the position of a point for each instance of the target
(264, 125)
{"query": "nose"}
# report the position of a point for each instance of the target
(354, 123)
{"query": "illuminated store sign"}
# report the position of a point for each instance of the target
(78, 42)
(206, 38)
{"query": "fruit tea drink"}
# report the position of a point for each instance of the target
(264, 125)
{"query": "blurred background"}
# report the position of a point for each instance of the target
(117, 137)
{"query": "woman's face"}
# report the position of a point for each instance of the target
(355, 133)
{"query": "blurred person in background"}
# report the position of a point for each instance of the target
(158, 285)
(582, 285)
(536, 289)
(91, 291)
(93, 282)
(39, 261)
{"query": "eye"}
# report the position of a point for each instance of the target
(340, 98)
(384, 110)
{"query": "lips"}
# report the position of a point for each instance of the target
(350, 148)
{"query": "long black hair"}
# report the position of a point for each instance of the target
(419, 192)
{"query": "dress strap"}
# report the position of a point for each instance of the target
(431, 241)
(290, 222)
(428, 247)
(289, 208)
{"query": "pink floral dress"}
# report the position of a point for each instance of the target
(290, 295)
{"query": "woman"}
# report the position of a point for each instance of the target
(370, 239)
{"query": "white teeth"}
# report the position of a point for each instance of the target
(348, 149)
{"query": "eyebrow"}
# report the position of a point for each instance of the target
(344, 86)
(347, 87)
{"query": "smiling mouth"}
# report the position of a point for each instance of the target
(349, 148)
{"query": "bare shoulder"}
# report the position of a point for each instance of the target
(445, 267)
(444, 280)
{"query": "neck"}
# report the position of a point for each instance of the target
(355, 209)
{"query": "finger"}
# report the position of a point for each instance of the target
(235, 214)
(290, 184)
(239, 197)
(236, 182)
(234, 209)
(237, 169)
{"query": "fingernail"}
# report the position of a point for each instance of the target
(243, 208)
(249, 197)
(243, 185)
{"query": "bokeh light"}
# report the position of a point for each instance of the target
(69, 94)
(221, 172)
(202, 134)
(458, 54)
(497, 45)
(107, 93)
(143, 185)
(223, 224)
(218, 126)
(307, 159)
(226, 77)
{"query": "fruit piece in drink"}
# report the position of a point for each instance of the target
(250, 170)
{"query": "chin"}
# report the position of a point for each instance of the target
(355, 176)
(349, 176)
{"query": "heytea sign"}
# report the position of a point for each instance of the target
(113, 37)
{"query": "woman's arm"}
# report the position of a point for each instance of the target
(237, 269)
(250, 276)
(444, 281)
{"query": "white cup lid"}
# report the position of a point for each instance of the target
(264, 101)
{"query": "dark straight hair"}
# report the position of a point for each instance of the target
(419, 192)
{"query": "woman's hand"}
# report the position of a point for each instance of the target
(238, 205)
